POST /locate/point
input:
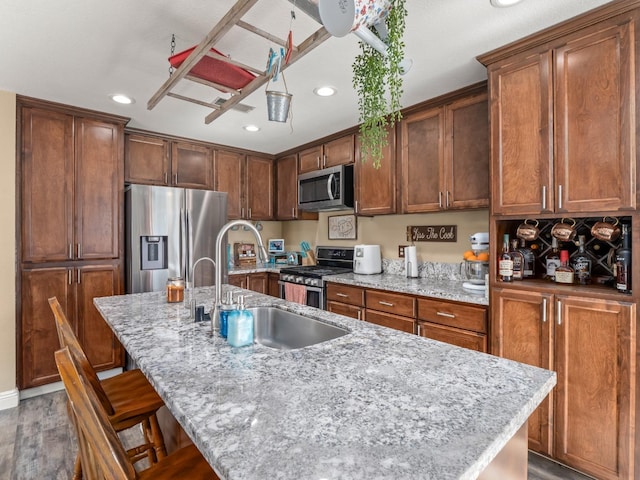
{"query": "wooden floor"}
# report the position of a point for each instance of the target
(37, 442)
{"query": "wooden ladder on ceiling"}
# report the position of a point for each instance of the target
(231, 19)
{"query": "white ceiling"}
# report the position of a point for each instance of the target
(78, 52)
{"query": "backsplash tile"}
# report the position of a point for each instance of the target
(433, 270)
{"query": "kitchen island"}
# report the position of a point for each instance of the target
(375, 403)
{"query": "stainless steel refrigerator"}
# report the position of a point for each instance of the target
(167, 230)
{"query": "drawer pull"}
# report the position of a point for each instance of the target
(388, 304)
(359, 314)
(444, 314)
(343, 295)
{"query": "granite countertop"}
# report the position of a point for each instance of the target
(257, 268)
(424, 286)
(375, 403)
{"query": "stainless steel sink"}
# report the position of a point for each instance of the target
(284, 330)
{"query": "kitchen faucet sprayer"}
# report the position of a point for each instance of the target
(218, 287)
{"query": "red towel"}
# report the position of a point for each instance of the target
(295, 293)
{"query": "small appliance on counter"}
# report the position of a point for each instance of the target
(476, 267)
(411, 261)
(277, 254)
(367, 259)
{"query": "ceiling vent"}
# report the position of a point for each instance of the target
(241, 107)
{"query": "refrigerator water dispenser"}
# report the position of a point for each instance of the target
(153, 252)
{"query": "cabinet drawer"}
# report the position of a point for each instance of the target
(345, 294)
(458, 316)
(404, 324)
(352, 311)
(453, 336)
(391, 303)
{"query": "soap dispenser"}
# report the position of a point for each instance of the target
(240, 326)
(226, 307)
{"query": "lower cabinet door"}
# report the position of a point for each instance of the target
(238, 280)
(454, 336)
(38, 338)
(98, 341)
(258, 282)
(404, 324)
(352, 311)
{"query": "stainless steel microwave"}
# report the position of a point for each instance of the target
(327, 189)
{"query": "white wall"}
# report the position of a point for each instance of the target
(8, 392)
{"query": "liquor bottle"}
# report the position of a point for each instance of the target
(623, 263)
(529, 266)
(564, 273)
(552, 260)
(505, 262)
(581, 264)
(518, 261)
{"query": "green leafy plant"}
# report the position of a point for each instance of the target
(374, 76)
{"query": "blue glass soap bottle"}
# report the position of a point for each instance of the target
(240, 326)
(226, 307)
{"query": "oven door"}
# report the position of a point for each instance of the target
(315, 295)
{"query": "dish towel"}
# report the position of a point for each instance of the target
(295, 293)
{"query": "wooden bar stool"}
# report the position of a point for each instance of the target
(101, 450)
(127, 398)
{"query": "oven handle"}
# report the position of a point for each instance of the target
(308, 287)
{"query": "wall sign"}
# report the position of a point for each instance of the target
(432, 233)
(343, 227)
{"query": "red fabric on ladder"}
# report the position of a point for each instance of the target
(215, 70)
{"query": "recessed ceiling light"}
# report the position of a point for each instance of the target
(120, 98)
(324, 91)
(504, 3)
(251, 128)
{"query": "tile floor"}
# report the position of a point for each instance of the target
(37, 442)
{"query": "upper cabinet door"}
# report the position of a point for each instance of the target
(338, 152)
(259, 188)
(229, 172)
(422, 153)
(191, 166)
(521, 135)
(310, 159)
(467, 153)
(595, 120)
(376, 187)
(287, 191)
(146, 160)
(99, 188)
(47, 185)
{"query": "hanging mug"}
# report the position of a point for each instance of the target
(563, 231)
(527, 231)
(606, 231)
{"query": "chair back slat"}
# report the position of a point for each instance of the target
(68, 338)
(101, 450)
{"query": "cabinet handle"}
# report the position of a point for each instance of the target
(388, 304)
(175, 178)
(447, 198)
(78, 276)
(544, 197)
(79, 251)
(166, 178)
(559, 313)
(249, 212)
(293, 212)
(419, 330)
(439, 199)
(444, 314)
(324, 161)
(356, 207)
(318, 161)
(359, 314)
(71, 250)
(69, 279)
(560, 196)
(544, 310)
(343, 295)
(242, 212)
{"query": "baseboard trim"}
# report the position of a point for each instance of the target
(9, 399)
(57, 386)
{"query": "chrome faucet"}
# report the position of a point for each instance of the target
(218, 287)
(191, 283)
(195, 264)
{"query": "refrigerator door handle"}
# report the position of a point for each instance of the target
(183, 243)
(189, 249)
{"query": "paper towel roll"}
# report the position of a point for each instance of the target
(411, 261)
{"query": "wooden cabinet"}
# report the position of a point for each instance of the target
(249, 183)
(562, 122)
(155, 160)
(287, 191)
(375, 188)
(586, 421)
(454, 323)
(345, 300)
(258, 282)
(444, 156)
(75, 289)
(330, 154)
(71, 177)
(274, 286)
(391, 310)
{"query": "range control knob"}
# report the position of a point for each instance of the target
(299, 280)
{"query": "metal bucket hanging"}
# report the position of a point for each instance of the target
(278, 103)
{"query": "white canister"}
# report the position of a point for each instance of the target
(411, 261)
(340, 17)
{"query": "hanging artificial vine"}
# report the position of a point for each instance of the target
(373, 75)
